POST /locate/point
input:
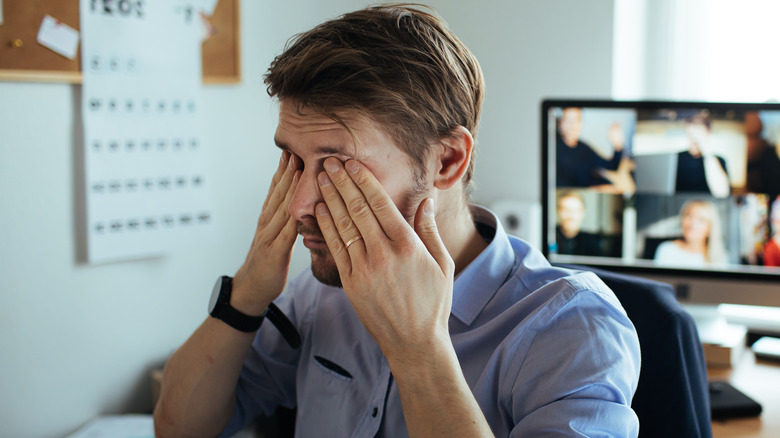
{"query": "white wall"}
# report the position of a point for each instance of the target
(529, 50)
(77, 341)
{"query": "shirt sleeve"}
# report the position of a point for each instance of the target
(580, 373)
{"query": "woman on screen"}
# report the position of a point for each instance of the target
(702, 241)
(772, 246)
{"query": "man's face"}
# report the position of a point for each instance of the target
(571, 125)
(312, 137)
(571, 212)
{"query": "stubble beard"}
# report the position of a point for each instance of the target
(323, 265)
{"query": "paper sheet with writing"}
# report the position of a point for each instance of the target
(145, 169)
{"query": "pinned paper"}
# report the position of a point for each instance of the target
(207, 6)
(146, 170)
(207, 30)
(58, 37)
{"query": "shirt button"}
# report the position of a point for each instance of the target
(374, 412)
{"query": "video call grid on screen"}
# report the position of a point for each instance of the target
(690, 186)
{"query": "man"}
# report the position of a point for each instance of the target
(569, 236)
(378, 110)
(578, 165)
(699, 169)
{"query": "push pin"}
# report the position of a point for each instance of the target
(16, 43)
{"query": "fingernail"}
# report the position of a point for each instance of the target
(323, 179)
(352, 166)
(321, 209)
(291, 163)
(428, 207)
(331, 165)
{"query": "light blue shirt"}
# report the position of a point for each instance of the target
(546, 352)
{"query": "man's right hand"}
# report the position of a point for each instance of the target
(264, 273)
(197, 396)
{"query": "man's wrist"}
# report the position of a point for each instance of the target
(245, 300)
(425, 362)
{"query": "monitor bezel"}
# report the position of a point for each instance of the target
(656, 271)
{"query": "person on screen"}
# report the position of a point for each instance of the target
(701, 243)
(419, 315)
(763, 168)
(570, 238)
(772, 246)
(698, 168)
(578, 165)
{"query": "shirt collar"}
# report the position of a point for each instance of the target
(481, 279)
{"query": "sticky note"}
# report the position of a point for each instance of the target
(58, 37)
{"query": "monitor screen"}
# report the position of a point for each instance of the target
(678, 189)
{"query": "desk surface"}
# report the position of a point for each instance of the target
(760, 380)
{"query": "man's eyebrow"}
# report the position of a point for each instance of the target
(281, 145)
(321, 150)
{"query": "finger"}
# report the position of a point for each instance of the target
(342, 220)
(425, 227)
(285, 157)
(333, 239)
(281, 216)
(279, 192)
(354, 200)
(393, 223)
(289, 233)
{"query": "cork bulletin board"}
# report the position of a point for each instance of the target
(23, 59)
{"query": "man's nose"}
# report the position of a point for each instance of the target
(307, 195)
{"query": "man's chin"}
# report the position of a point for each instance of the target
(324, 268)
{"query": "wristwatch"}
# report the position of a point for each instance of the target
(220, 308)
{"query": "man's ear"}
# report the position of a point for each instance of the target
(453, 157)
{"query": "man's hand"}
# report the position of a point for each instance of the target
(620, 181)
(263, 275)
(616, 136)
(398, 279)
(197, 395)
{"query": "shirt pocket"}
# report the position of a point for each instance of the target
(332, 369)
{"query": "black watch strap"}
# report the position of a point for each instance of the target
(222, 309)
(239, 320)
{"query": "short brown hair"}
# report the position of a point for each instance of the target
(398, 65)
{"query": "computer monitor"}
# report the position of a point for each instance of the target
(683, 192)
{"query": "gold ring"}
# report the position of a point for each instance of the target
(352, 240)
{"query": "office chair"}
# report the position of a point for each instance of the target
(672, 398)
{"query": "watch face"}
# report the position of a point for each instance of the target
(215, 295)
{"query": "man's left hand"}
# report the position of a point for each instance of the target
(398, 278)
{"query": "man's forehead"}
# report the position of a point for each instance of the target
(298, 115)
(292, 119)
(345, 137)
